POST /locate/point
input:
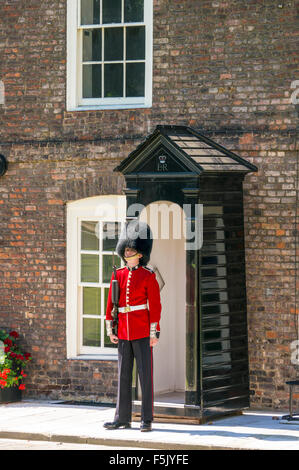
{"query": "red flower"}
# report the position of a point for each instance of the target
(14, 334)
(4, 373)
(7, 349)
(22, 387)
(8, 342)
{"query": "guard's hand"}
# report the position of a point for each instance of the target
(113, 339)
(153, 342)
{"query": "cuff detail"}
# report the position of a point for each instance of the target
(109, 327)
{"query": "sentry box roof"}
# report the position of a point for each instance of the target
(186, 151)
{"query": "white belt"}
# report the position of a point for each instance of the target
(131, 308)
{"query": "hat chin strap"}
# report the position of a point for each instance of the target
(128, 258)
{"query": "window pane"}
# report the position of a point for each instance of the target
(91, 301)
(113, 80)
(135, 43)
(108, 265)
(133, 10)
(91, 332)
(90, 11)
(114, 47)
(135, 79)
(89, 268)
(111, 11)
(92, 45)
(89, 238)
(92, 81)
(111, 233)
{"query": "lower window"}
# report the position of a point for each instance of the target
(97, 258)
(91, 244)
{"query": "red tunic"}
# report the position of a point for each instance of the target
(138, 286)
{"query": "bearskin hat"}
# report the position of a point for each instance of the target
(136, 235)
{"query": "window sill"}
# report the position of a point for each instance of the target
(108, 107)
(94, 357)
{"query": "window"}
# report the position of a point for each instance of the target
(109, 54)
(98, 242)
(94, 226)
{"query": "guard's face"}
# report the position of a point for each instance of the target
(131, 254)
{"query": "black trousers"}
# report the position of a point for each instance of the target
(141, 350)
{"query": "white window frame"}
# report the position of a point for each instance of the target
(99, 208)
(74, 100)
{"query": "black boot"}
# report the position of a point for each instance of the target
(117, 425)
(146, 426)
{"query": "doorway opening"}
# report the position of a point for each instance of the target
(167, 222)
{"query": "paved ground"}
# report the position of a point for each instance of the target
(72, 424)
(19, 444)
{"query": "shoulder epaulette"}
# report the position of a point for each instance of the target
(147, 268)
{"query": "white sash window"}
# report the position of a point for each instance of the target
(109, 54)
(93, 229)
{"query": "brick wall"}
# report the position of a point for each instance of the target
(33, 259)
(223, 67)
(270, 200)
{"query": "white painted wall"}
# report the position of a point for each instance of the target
(169, 354)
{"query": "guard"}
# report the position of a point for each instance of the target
(138, 329)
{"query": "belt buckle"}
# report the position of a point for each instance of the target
(127, 309)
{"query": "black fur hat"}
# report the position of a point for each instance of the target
(136, 235)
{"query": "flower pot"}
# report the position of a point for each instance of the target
(10, 395)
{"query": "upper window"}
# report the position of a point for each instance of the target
(109, 54)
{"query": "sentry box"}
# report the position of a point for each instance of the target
(190, 191)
